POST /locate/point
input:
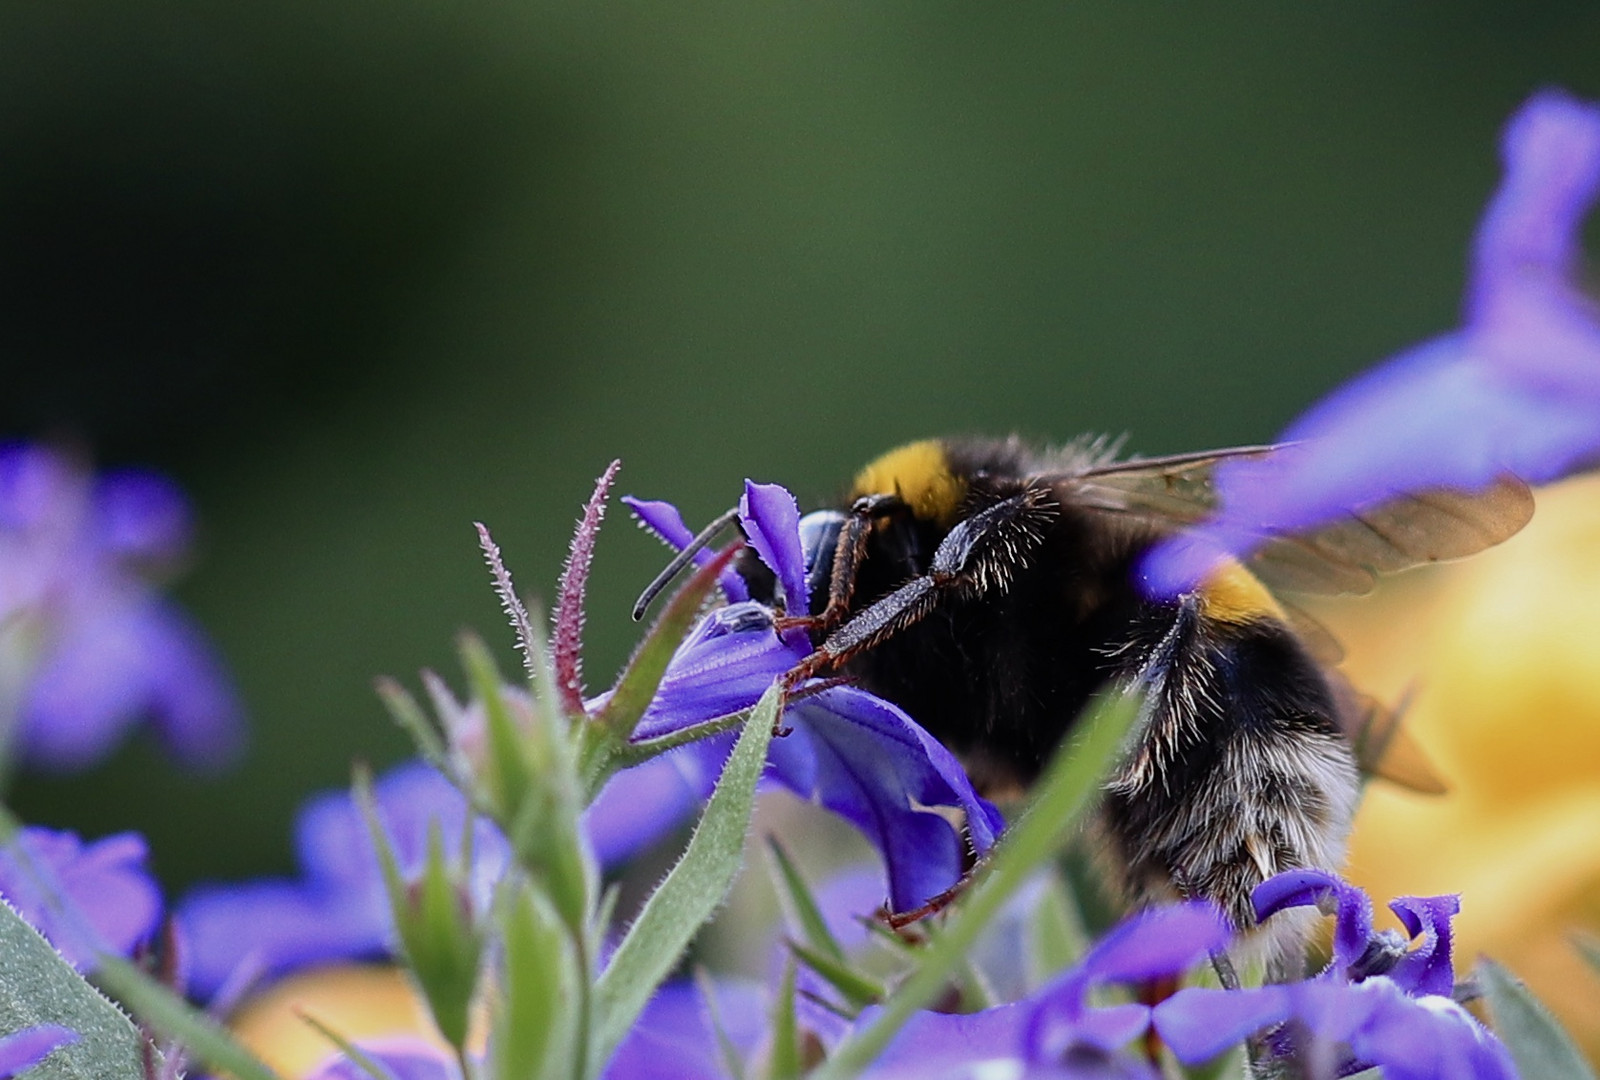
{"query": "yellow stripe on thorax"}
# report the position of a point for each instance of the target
(920, 474)
(1232, 594)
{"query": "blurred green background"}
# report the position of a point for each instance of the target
(358, 274)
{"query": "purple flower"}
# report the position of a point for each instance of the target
(26, 1048)
(97, 646)
(405, 1058)
(338, 909)
(847, 750)
(83, 898)
(1056, 1031)
(673, 1039)
(1382, 1000)
(1515, 390)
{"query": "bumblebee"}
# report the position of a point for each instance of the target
(987, 588)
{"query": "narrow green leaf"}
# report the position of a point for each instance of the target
(856, 987)
(207, 1041)
(636, 687)
(800, 908)
(539, 1005)
(1537, 1042)
(509, 752)
(38, 987)
(1056, 936)
(732, 1063)
(1067, 790)
(358, 1057)
(783, 1052)
(408, 715)
(691, 892)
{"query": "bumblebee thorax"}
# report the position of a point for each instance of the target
(920, 474)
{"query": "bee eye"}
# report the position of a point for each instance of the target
(819, 538)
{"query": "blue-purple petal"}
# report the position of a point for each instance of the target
(864, 759)
(644, 804)
(1157, 942)
(402, 1058)
(1352, 928)
(1430, 1038)
(1551, 150)
(26, 1048)
(663, 519)
(1427, 968)
(1198, 1023)
(771, 521)
(726, 663)
(141, 515)
(84, 898)
(931, 1040)
(673, 1039)
(1515, 390)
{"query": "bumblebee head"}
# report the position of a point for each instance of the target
(922, 475)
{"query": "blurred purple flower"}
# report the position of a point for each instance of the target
(405, 1058)
(673, 1039)
(1515, 390)
(847, 750)
(83, 898)
(26, 1048)
(1382, 1001)
(88, 643)
(338, 909)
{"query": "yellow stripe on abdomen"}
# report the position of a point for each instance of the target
(1232, 594)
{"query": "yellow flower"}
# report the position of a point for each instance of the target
(1503, 651)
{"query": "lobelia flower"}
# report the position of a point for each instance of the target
(1055, 1032)
(1382, 1001)
(853, 753)
(338, 909)
(22, 1050)
(1515, 390)
(88, 646)
(84, 898)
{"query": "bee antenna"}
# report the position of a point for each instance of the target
(681, 560)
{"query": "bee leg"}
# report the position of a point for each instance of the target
(845, 562)
(980, 555)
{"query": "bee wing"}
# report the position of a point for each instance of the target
(1344, 556)
(1383, 746)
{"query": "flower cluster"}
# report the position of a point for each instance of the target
(88, 646)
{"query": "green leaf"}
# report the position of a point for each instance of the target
(165, 1012)
(800, 908)
(1056, 936)
(783, 1054)
(38, 987)
(856, 987)
(1063, 795)
(540, 1004)
(408, 715)
(691, 892)
(732, 1063)
(1537, 1042)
